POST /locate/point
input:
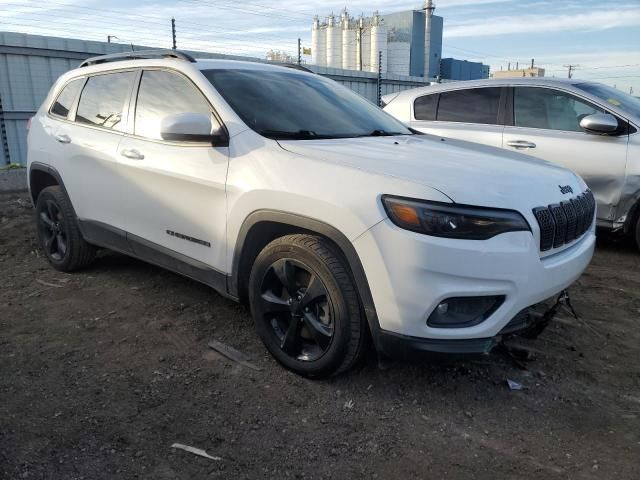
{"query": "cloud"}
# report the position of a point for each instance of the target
(519, 24)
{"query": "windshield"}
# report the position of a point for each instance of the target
(613, 96)
(297, 106)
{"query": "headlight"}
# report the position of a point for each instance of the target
(452, 220)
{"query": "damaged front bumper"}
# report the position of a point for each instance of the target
(529, 323)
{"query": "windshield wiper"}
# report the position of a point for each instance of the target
(383, 133)
(287, 135)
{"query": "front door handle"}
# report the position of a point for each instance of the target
(521, 144)
(63, 138)
(132, 153)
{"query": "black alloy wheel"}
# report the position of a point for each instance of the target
(297, 308)
(306, 307)
(53, 231)
(58, 232)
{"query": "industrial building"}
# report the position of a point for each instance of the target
(519, 72)
(454, 69)
(30, 64)
(408, 42)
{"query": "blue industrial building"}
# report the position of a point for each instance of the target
(454, 69)
(409, 27)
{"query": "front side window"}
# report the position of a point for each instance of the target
(476, 105)
(102, 101)
(161, 94)
(67, 96)
(549, 109)
(282, 104)
(612, 96)
(424, 108)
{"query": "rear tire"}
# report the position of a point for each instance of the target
(637, 232)
(305, 306)
(58, 234)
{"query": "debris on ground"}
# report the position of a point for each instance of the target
(513, 385)
(233, 354)
(48, 284)
(195, 451)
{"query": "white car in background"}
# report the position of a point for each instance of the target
(284, 189)
(587, 127)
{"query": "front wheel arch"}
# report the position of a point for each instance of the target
(263, 226)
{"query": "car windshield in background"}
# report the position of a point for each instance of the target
(613, 97)
(294, 106)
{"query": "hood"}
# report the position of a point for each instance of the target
(468, 173)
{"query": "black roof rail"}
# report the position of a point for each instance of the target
(293, 66)
(138, 55)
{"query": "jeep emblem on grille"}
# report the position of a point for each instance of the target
(565, 189)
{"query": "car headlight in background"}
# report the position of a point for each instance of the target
(451, 220)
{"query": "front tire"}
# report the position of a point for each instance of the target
(305, 306)
(57, 232)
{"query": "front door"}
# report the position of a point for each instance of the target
(546, 125)
(174, 191)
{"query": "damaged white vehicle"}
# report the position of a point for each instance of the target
(585, 126)
(275, 186)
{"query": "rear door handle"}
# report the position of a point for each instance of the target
(132, 153)
(63, 138)
(521, 144)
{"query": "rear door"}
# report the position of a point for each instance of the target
(87, 144)
(546, 125)
(467, 114)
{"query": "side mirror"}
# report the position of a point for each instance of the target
(599, 123)
(192, 127)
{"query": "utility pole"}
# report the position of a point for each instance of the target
(572, 68)
(109, 37)
(532, 63)
(299, 51)
(379, 78)
(359, 43)
(173, 31)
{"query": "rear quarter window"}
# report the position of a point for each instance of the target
(424, 107)
(67, 96)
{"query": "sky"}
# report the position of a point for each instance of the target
(601, 36)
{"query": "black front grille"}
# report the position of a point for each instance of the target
(563, 223)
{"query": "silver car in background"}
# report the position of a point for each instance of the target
(585, 126)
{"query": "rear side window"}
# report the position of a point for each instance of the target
(424, 108)
(102, 102)
(164, 93)
(67, 96)
(477, 105)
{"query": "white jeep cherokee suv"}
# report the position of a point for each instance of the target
(281, 187)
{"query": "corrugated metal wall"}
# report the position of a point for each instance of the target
(30, 64)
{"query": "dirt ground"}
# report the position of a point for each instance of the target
(103, 370)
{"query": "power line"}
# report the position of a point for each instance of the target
(158, 20)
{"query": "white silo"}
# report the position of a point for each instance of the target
(318, 43)
(334, 43)
(378, 44)
(348, 42)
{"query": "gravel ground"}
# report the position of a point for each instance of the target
(103, 370)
